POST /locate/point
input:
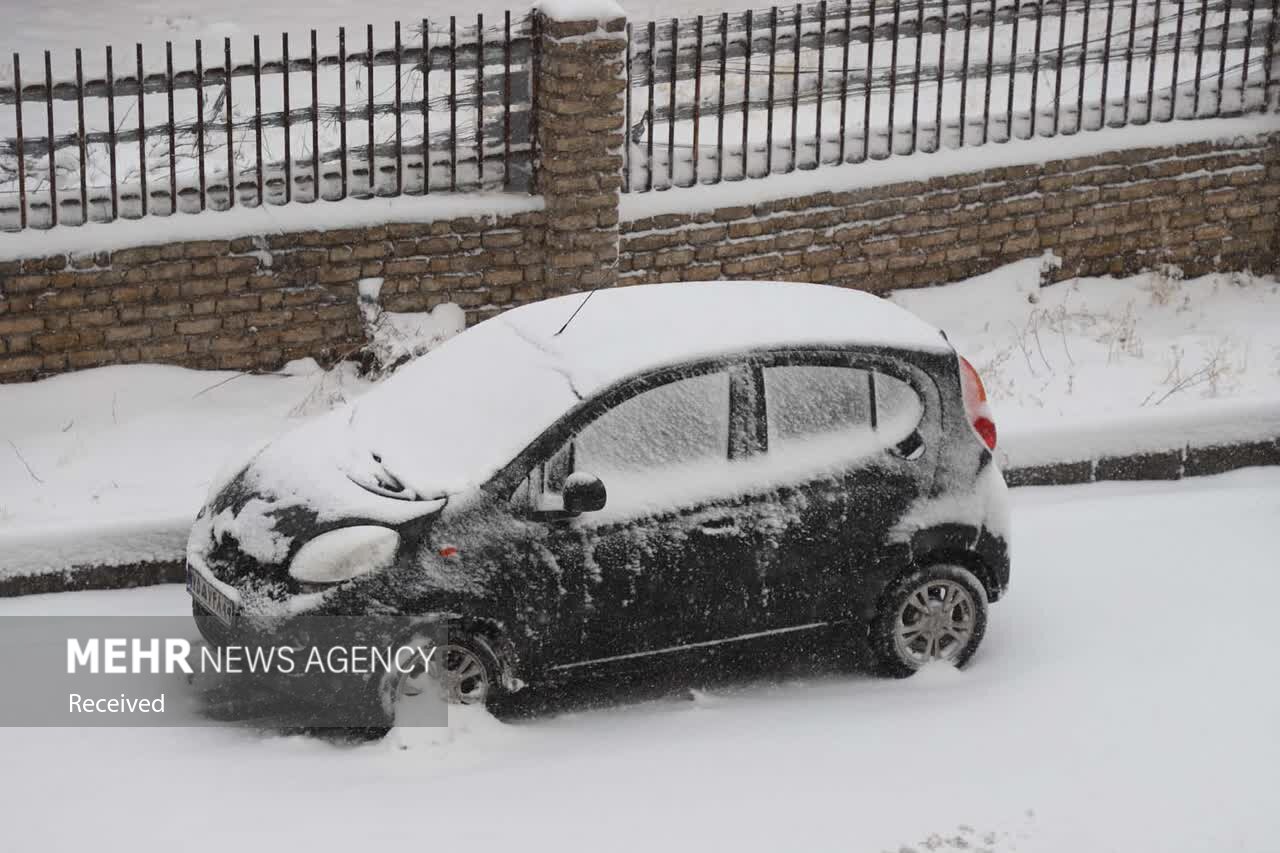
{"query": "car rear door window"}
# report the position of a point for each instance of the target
(854, 409)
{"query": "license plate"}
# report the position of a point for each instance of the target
(210, 597)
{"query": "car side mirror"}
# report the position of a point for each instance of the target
(583, 493)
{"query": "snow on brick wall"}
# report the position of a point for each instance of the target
(1205, 206)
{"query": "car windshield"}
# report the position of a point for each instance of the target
(455, 416)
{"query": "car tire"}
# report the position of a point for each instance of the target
(934, 613)
(465, 668)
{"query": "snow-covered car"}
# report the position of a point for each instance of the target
(587, 481)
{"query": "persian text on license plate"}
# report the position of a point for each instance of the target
(210, 597)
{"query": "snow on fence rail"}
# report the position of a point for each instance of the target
(746, 95)
(447, 109)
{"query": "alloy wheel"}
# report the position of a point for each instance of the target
(935, 622)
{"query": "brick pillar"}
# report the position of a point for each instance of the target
(580, 95)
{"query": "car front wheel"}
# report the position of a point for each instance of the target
(464, 670)
(938, 613)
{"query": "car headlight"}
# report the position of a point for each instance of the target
(344, 554)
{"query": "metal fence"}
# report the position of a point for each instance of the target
(747, 95)
(444, 109)
(448, 106)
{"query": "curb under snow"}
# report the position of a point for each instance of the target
(166, 564)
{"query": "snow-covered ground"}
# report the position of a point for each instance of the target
(1123, 700)
(1103, 366)
(109, 466)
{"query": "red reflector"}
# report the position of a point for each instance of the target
(986, 430)
(448, 551)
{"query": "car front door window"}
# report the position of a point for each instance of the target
(652, 450)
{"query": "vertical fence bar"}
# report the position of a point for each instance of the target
(173, 140)
(795, 90)
(1106, 65)
(866, 83)
(1177, 55)
(991, 58)
(200, 169)
(626, 126)
(671, 104)
(22, 155)
(1222, 55)
(506, 104)
(1271, 55)
(652, 44)
(426, 112)
(1151, 66)
(915, 80)
(1244, 65)
(257, 113)
(773, 56)
(453, 103)
(1204, 25)
(1035, 65)
(111, 134)
(1084, 60)
(142, 133)
(226, 98)
(535, 67)
(746, 91)
(342, 110)
(48, 102)
(1128, 58)
(479, 100)
(822, 70)
(84, 152)
(893, 69)
(697, 99)
(844, 72)
(288, 125)
(368, 64)
(1013, 66)
(315, 120)
(724, 67)
(399, 118)
(942, 65)
(1057, 74)
(964, 74)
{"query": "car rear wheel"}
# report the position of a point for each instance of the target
(938, 613)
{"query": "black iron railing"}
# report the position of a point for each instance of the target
(746, 95)
(444, 107)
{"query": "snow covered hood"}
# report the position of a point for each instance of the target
(454, 417)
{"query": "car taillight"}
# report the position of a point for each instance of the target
(975, 404)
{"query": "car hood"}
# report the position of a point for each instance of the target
(317, 478)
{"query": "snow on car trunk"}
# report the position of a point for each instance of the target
(1122, 701)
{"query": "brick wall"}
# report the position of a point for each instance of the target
(254, 302)
(1204, 207)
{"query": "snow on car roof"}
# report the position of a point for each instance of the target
(461, 412)
(627, 330)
